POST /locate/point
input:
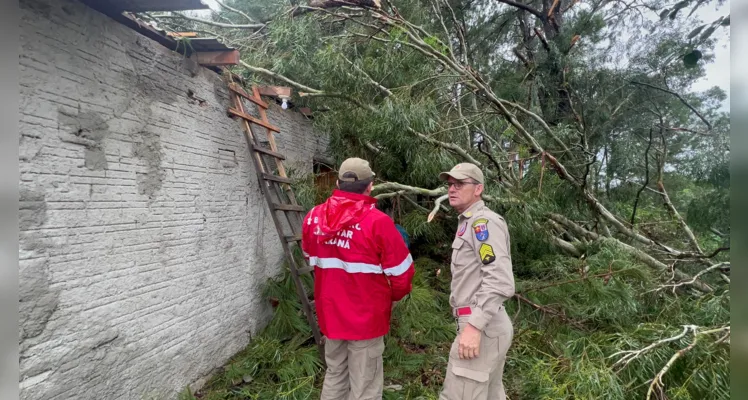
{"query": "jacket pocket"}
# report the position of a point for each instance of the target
(459, 246)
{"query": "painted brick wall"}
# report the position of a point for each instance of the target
(144, 239)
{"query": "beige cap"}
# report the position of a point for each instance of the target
(464, 171)
(358, 166)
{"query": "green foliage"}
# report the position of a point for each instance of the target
(550, 358)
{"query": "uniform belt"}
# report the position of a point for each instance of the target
(462, 311)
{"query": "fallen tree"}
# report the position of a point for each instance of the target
(601, 172)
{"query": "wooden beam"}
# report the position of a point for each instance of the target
(157, 5)
(275, 91)
(216, 58)
(241, 92)
(182, 34)
(253, 120)
(270, 153)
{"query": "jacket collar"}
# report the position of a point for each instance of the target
(354, 196)
(478, 205)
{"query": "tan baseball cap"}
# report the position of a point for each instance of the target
(463, 171)
(356, 165)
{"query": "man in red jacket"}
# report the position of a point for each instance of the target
(362, 267)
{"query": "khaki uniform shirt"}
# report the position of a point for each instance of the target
(481, 266)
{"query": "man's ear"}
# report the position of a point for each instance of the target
(478, 190)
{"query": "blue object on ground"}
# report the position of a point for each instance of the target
(404, 234)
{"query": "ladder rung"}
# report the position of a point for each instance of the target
(269, 152)
(288, 207)
(293, 238)
(240, 91)
(234, 111)
(275, 178)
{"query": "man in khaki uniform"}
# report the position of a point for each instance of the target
(482, 281)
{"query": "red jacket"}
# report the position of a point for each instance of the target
(361, 266)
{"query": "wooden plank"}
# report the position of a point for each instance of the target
(270, 153)
(275, 91)
(288, 207)
(238, 90)
(182, 34)
(158, 5)
(216, 58)
(253, 120)
(275, 178)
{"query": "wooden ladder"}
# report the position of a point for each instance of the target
(280, 198)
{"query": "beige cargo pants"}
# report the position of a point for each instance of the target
(480, 378)
(354, 369)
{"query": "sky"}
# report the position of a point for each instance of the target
(717, 72)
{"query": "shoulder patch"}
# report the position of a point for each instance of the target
(486, 253)
(480, 227)
(462, 229)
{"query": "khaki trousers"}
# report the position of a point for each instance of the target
(354, 369)
(480, 378)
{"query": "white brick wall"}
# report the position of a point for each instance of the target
(144, 237)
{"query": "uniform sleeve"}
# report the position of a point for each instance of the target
(497, 279)
(396, 261)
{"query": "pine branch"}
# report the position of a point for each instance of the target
(525, 7)
(460, 33)
(227, 7)
(437, 205)
(646, 179)
(318, 5)
(449, 146)
(605, 275)
(666, 198)
(368, 77)
(682, 100)
(633, 251)
(279, 77)
(548, 310)
(697, 276)
(657, 383)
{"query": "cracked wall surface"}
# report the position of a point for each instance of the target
(144, 238)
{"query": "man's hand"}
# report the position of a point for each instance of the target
(469, 343)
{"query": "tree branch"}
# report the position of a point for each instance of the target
(695, 277)
(316, 5)
(666, 198)
(525, 7)
(371, 80)
(646, 179)
(227, 7)
(657, 381)
(682, 100)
